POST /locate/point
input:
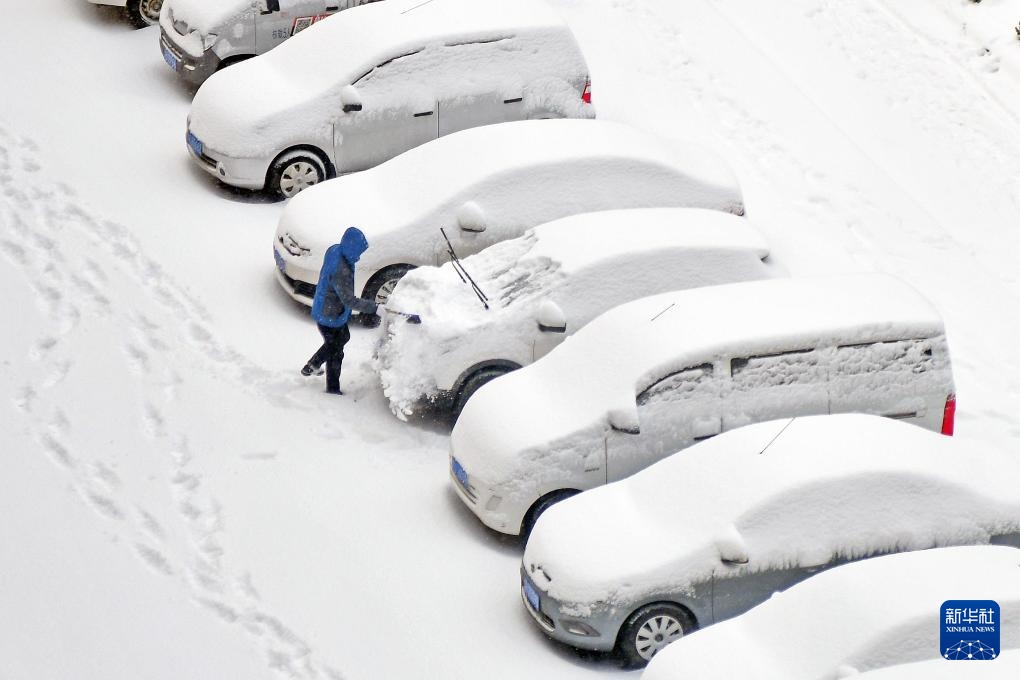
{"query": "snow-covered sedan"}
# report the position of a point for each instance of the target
(544, 286)
(708, 534)
(141, 13)
(374, 81)
(656, 375)
(879, 619)
(199, 37)
(486, 185)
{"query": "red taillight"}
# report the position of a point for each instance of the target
(586, 95)
(949, 415)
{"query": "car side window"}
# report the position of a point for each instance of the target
(679, 386)
(798, 367)
(910, 356)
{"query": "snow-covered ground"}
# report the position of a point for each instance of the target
(179, 503)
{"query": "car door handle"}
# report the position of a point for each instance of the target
(424, 113)
(515, 100)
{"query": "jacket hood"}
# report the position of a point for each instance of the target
(352, 246)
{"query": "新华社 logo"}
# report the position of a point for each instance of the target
(970, 630)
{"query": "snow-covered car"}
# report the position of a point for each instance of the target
(374, 81)
(707, 534)
(656, 375)
(141, 13)
(199, 37)
(879, 619)
(487, 185)
(544, 286)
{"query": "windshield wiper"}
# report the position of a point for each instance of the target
(458, 267)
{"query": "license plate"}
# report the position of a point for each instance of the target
(280, 264)
(195, 143)
(171, 60)
(531, 595)
(460, 473)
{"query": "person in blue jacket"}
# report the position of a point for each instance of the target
(333, 304)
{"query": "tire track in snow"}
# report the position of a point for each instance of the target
(59, 244)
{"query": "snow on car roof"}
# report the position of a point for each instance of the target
(408, 188)
(300, 80)
(1006, 667)
(855, 618)
(777, 494)
(621, 352)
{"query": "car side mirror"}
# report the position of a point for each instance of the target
(625, 420)
(471, 217)
(551, 318)
(351, 99)
(731, 547)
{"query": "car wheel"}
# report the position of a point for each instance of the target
(230, 61)
(294, 172)
(144, 13)
(473, 384)
(650, 629)
(380, 287)
(540, 506)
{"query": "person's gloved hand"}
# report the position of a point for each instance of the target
(380, 310)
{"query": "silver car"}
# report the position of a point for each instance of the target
(709, 533)
(374, 81)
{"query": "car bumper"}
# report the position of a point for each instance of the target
(294, 281)
(486, 505)
(192, 70)
(596, 633)
(245, 173)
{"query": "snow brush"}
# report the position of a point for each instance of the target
(411, 318)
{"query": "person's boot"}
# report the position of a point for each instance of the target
(311, 370)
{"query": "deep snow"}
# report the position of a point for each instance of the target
(161, 452)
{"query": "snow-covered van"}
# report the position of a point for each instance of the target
(201, 36)
(487, 185)
(141, 13)
(656, 375)
(707, 534)
(544, 286)
(374, 81)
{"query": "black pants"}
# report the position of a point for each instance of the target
(332, 354)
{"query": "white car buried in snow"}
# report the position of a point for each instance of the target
(141, 13)
(656, 375)
(864, 620)
(545, 285)
(707, 534)
(487, 185)
(373, 81)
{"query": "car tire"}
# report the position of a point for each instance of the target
(379, 287)
(142, 13)
(230, 61)
(295, 171)
(648, 630)
(473, 384)
(540, 506)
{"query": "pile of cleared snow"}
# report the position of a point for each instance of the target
(402, 55)
(585, 263)
(854, 619)
(1006, 667)
(843, 486)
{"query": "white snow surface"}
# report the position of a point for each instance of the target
(846, 485)
(857, 618)
(877, 135)
(292, 94)
(1006, 667)
(531, 172)
(206, 16)
(585, 263)
(532, 419)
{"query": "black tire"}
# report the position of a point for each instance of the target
(378, 289)
(540, 506)
(142, 13)
(651, 628)
(294, 171)
(230, 61)
(473, 384)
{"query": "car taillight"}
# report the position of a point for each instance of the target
(586, 95)
(949, 415)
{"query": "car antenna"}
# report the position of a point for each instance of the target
(458, 267)
(771, 441)
(662, 312)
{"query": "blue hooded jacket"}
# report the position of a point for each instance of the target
(334, 296)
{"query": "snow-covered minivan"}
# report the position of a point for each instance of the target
(486, 185)
(374, 81)
(199, 37)
(656, 375)
(546, 285)
(141, 13)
